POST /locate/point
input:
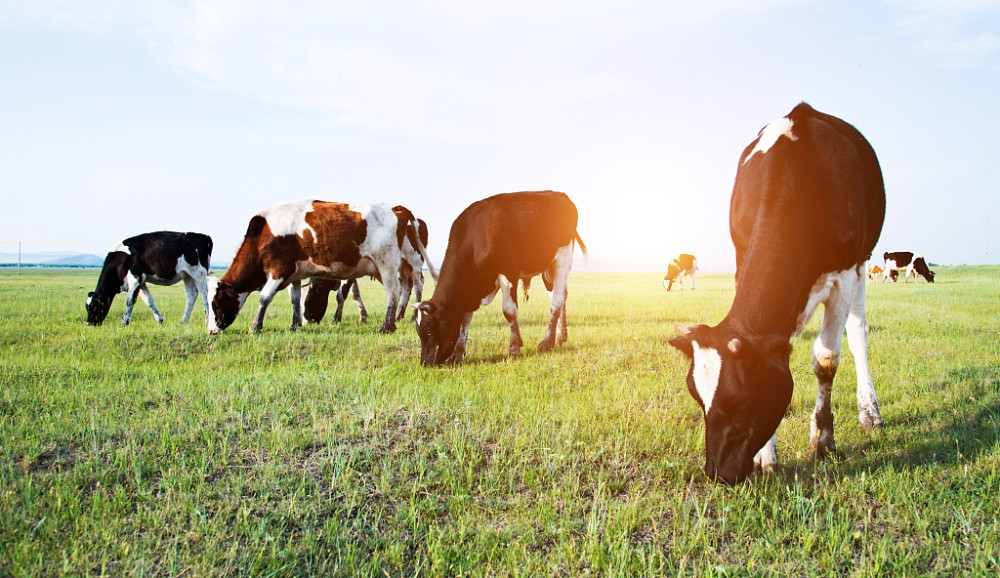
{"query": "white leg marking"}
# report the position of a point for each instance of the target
(147, 298)
(559, 272)
(267, 293)
(767, 458)
(509, 306)
(191, 294)
(857, 341)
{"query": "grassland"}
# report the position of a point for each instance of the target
(160, 451)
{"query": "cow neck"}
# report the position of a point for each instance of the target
(246, 273)
(770, 295)
(113, 274)
(461, 293)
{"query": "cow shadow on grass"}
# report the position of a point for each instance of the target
(947, 434)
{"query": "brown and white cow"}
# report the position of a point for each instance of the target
(293, 241)
(684, 264)
(316, 295)
(160, 258)
(808, 191)
(874, 271)
(897, 262)
(493, 244)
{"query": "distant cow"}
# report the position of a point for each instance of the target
(293, 241)
(684, 264)
(161, 258)
(874, 271)
(808, 193)
(910, 263)
(494, 243)
(316, 295)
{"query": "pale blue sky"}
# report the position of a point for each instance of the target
(123, 117)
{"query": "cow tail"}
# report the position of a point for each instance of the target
(415, 241)
(583, 248)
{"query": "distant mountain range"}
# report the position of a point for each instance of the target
(57, 259)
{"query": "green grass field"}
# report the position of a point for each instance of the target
(148, 450)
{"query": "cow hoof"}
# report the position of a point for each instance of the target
(545, 345)
(870, 423)
(387, 329)
(822, 451)
(514, 352)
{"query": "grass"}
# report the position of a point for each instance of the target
(148, 450)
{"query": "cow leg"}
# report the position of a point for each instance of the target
(405, 288)
(463, 334)
(390, 282)
(767, 458)
(826, 360)
(857, 340)
(341, 299)
(201, 283)
(692, 280)
(147, 298)
(267, 293)
(559, 270)
(562, 334)
(295, 293)
(131, 292)
(509, 290)
(356, 294)
(418, 289)
(191, 295)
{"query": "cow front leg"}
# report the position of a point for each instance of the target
(826, 360)
(267, 293)
(190, 294)
(463, 335)
(559, 270)
(295, 293)
(562, 333)
(857, 340)
(767, 458)
(508, 290)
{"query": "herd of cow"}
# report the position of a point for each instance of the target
(808, 190)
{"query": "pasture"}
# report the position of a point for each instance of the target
(148, 450)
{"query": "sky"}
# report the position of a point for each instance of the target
(122, 117)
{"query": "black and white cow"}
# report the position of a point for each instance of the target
(905, 261)
(160, 258)
(494, 243)
(684, 264)
(301, 239)
(808, 191)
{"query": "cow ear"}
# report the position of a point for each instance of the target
(683, 340)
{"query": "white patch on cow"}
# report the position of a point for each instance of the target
(119, 248)
(707, 369)
(289, 218)
(770, 135)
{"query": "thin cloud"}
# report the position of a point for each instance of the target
(961, 33)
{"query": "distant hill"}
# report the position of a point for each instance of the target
(53, 259)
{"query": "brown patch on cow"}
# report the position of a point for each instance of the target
(340, 232)
(405, 217)
(246, 273)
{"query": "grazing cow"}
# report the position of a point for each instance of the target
(316, 298)
(293, 241)
(161, 258)
(873, 272)
(494, 243)
(316, 295)
(912, 263)
(808, 191)
(684, 264)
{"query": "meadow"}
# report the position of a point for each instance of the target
(153, 450)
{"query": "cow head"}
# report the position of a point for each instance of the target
(743, 387)
(438, 333)
(225, 302)
(97, 306)
(673, 271)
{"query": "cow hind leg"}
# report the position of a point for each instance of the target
(390, 283)
(559, 273)
(295, 293)
(857, 340)
(509, 290)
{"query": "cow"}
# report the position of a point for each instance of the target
(160, 258)
(808, 191)
(904, 261)
(310, 238)
(874, 271)
(492, 245)
(316, 299)
(316, 295)
(684, 264)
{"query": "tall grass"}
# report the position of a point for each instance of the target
(149, 450)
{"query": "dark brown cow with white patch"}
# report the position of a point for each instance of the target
(493, 244)
(293, 241)
(808, 192)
